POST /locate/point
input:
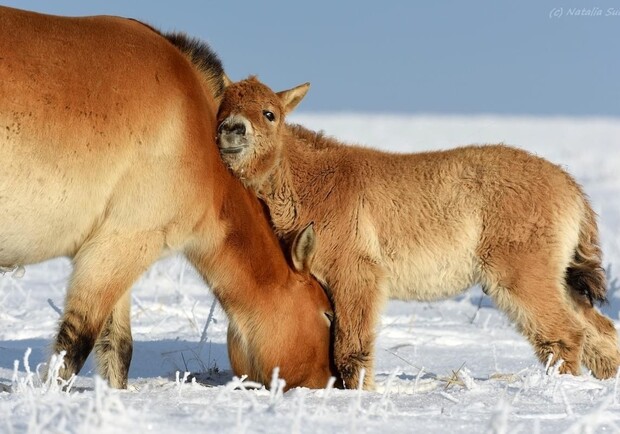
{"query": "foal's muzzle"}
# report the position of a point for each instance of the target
(233, 135)
(231, 128)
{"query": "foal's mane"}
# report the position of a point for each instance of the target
(315, 139)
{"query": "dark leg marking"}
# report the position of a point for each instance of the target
(77, 340)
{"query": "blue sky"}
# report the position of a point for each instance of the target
(446, 57)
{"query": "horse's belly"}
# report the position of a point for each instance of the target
(30, 235)
(43, 215)
(432, 271)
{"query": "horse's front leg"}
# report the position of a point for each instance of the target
(105, 267)
(114, 346)
(358, 299)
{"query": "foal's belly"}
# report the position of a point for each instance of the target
(416, 279)
(432, 270)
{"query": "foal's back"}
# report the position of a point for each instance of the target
(424, 215)
(467, 201)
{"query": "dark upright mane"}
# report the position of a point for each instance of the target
(200, 54)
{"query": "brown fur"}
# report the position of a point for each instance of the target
(427, 226)
(107, 137)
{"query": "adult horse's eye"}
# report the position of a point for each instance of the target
(269, 115)
(329, 316)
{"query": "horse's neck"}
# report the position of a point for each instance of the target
(292, 188)
(246, 264)
(280, 194)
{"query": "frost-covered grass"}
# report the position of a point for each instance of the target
(451, 366)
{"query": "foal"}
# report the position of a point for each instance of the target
(427, 226)
(109, 157)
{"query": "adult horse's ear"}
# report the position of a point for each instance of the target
(290, 98)
(304, 248)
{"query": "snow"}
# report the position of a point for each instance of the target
(451, 366)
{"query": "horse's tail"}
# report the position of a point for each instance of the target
(585, 273)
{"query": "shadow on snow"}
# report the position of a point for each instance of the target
(208, 362)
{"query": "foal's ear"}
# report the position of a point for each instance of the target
(227, 80)
(290, 98)
(304, 248)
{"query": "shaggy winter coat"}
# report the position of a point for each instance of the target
(427, 226)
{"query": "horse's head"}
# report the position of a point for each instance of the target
(250, 124)
(309, 355)
(290, 329)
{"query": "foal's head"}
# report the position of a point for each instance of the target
(251, 119)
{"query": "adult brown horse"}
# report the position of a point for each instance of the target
(108, 157)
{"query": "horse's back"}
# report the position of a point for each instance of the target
(457, 204)
(94, 117)
(94, 75)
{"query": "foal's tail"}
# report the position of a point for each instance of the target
(585, 273)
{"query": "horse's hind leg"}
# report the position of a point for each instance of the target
(586, 282)
(539, 306)
(600, 350)
(104, 269)
(114, 346)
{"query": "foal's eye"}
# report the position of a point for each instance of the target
(269, 115)
(330, 316)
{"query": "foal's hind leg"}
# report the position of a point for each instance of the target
(104, 269)
(600, 350)
(114, 346)
(540, 308)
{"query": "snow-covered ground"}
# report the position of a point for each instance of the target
(450, 366)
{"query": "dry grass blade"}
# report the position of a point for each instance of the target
(454, 378)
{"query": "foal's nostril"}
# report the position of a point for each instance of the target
(238, 128)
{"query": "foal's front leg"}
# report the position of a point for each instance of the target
(358, 299)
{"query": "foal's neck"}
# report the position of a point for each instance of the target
(280, 194)
(301, 180)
